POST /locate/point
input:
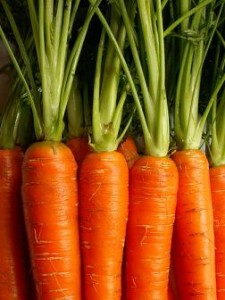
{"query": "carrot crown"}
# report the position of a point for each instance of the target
(149, 69)
(52, 25)
(216, 124)
(78, 109)
(15, 126)
(196, 33)
(110, 88)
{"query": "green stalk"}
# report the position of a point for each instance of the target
(154, 96)
(126, 69)
(23, 50)
(37, 121)
(152, 57)
(73, 16)
(48, 25)
(109, 91)
(75, 111)
(119, 111)
(184, 8)
(52, 23)
(73, 59)
(96, 119)
(213, 97)
(216, 124)
(8, 125)
(86, 107)
(189, 13)
(163, 131)
(147, 98)
(34, 24)
(188, 127)
(15, 128)
(63, 47)
(57, 24)
(110, 76)
(45, 74)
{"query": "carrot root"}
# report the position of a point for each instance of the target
(103, 188)
(13, 250)
(217, 179)
(193, 243)
(50, 203)
(153, 188)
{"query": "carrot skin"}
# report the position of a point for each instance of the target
(50, 203)
(129, 150)
(153, 189)
(217, 180)
(170, 293)
(13, 250)
(80, 148)
(194, 246)
(103, 192)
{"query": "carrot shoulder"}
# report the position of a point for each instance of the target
(103, 192)
(153, 187)
(129, 150)
(50, 202)
(13, 273)
(194, 247)
(80, 148)
(217, 179)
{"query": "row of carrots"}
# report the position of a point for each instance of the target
(89, 250)
(86, 213)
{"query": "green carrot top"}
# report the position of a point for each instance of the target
(57, 55)
(194, 37)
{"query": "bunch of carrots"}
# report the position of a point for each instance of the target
(112, 150)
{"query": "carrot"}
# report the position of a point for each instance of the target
(129, 150)
(153, 177)
(103, 196)
(193, 252)
(216, 156)
(49, 186)
(13, 275)
(50, 202)
(194, 248)
(79, 147)
(153, 187)
(103, 178)
(217, 179)
(170, 293)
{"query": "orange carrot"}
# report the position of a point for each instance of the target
(194, 248)
(129, 150)
(170, 293)
(50, 202)
(103, 192)
(153, 187)
(13, 273)
(217, 178)
(80, 148)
